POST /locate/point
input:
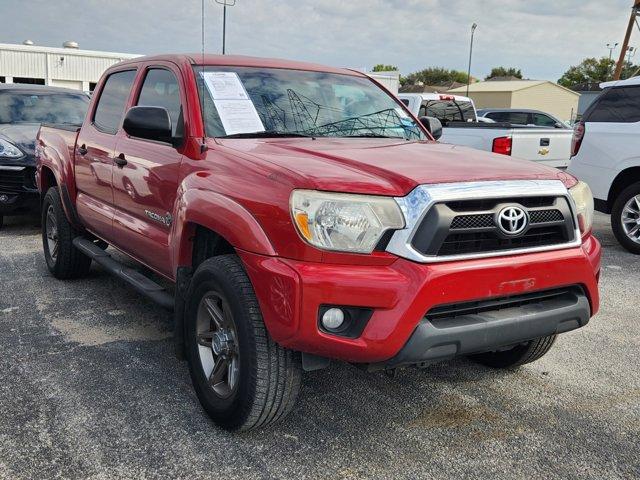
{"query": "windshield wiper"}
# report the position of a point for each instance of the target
(266, 134)
(372, 135)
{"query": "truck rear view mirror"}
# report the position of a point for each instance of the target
(433, 125)
(150, 123)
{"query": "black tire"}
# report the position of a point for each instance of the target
(66, 261)
(524, 353)
(268, 377)
(617, 215)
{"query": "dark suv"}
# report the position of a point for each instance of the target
(23, 108)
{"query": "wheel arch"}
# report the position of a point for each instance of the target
(626, 177)
(47, 179)
(223, 222)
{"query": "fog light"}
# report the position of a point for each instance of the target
(4, 198)
(333, 319)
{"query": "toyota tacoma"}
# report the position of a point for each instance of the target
(304, 215)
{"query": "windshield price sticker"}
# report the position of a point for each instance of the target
(237, 112)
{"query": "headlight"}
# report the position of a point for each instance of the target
(9, 150)
(583, 199)
(344, 222)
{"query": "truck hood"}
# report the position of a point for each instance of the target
(386, 166)
(23, 136)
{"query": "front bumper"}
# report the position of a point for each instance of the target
(17, 203)
(400, 293)
(18, 191)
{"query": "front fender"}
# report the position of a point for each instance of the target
(197, 205)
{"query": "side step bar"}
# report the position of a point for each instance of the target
(139, 282)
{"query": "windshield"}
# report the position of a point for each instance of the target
(45, 107)
(285, 102)
(450, 111)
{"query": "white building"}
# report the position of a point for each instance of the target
(67, 67)
(391, 80)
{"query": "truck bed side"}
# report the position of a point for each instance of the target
(55, 155)
(550, 146)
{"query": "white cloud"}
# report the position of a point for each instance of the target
(542, 38)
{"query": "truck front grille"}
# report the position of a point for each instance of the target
(17, 180)
(472, 242)
(458, 228)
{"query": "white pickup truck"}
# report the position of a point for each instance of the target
(550, 146)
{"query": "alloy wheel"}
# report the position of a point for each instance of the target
(217, 344)
(631, 218)
(51, 229)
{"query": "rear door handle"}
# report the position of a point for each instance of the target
(82, 149)
(120, 160)
(544, 142)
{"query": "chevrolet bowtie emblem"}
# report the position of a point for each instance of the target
(543, 151)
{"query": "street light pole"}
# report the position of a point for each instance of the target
(473, 29)
(225, 4)
(611, 48)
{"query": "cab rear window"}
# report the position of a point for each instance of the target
(448, 110)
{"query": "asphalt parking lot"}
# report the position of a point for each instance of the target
(89, 387)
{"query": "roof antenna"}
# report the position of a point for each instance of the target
(203, 146)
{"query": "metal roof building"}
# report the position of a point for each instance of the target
(533, 94)
(67, 67)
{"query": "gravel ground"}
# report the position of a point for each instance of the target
(90, 388)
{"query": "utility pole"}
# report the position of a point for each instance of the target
(627, 36)
(225, 4)
(473, 29)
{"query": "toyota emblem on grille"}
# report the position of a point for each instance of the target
(512, 220)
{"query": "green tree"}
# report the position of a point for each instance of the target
(504, 72)
(434, 76)
(594, 70)
(384, 68)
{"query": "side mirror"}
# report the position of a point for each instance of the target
(150, 123)
(433, 125)
(559, 125)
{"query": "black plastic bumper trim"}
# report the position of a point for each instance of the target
(442, 338)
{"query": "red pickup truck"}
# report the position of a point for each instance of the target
(303, 214)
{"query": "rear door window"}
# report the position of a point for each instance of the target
(517, 118)
(113, 100)
(617, 105)
(542, 120)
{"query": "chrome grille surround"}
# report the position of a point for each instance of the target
(420, 200)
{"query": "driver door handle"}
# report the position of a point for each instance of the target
(120, 160)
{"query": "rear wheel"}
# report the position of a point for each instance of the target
(63, 259)
(243, 379)
(625, 218)
(519, 355)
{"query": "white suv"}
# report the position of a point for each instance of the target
(606, 155)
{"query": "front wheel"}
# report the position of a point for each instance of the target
(519, 355)
(243, 379)
(625, 218)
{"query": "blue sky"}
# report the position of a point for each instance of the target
(541, 37)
